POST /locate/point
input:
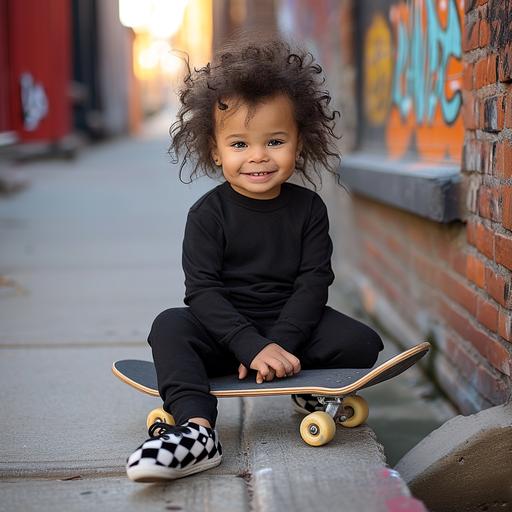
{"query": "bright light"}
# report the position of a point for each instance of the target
(161, 18)
(170, 63)
(153, 55)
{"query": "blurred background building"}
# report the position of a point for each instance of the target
(423, 86)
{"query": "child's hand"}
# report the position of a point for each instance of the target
(272, 361)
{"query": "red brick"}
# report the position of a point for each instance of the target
(488, 203)
(492, 116)
(487, 346)
(497, 287)
(366, 224)
(459, 292)
(460, 356)
(385, 262)
(485, 71)
(385, 286)
(471, 232)
(506, 194)
(448, 246)
(475, 270)
(395, 245)
(487, 314)
(485, 34)
(480, 73)
(505, 325)
(470, 35)
(490, 385)
(505, 64)
(504, 159)
(471, 155)
(419, 235)
(470, 110)
(478, 155)
(485, 240)
(504, 250)
(487, 157)
(467, 76)
(458, 261)
(424, 269)
(487, 382)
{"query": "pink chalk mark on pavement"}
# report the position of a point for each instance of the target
(395, 494)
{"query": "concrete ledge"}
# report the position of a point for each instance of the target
(198, 494)
(464, 465)
(428, 190)
(348, 474)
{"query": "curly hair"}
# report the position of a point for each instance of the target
(252, 71)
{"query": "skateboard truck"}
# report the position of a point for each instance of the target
(334, 407)
(338, 408)
(318, 428)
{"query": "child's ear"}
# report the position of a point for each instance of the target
(216, 156)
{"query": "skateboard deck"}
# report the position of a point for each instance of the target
(335, 390)
(331, 382)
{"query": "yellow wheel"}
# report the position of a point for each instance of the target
(317, 428)
(159, 415)
(358, 406)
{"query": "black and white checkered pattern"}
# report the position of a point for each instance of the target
(173, 452)
(306, 404)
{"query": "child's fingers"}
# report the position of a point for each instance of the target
(289, 367)
(242, 372)
(266, 373)
(291, 360)
(263, 371)
(270, 376)
(277, 365)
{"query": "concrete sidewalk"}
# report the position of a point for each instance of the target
(91, 253)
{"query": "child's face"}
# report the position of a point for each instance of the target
(268, 142)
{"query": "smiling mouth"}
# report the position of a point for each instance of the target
(263, 173)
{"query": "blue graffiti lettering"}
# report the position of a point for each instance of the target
(421, 63)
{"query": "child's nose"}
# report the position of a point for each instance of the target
(258, 154)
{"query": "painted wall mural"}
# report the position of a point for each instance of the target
(412, 69)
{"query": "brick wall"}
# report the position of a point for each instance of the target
(451, 283)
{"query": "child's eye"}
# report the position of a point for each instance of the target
(238, 144)
(275, 142)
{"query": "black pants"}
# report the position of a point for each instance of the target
(185, 356)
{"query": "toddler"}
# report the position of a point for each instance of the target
(256, 249)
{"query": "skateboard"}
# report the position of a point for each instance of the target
(335, 389)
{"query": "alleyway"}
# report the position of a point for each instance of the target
(91, 253)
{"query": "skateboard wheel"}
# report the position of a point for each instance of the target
(159, 415)
(317, 428)
(360, 410)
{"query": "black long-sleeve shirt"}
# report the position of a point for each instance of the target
(244, 256)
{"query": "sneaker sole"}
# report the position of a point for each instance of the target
(299, 409)
(152, 473)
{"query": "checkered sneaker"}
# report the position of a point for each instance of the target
(174, 451)
(306, 404)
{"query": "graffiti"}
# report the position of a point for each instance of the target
(421, 65)
(419, 106)
(34, 102)
(378, 71)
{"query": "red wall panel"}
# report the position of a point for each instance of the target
(5, 119)
(40, 48)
